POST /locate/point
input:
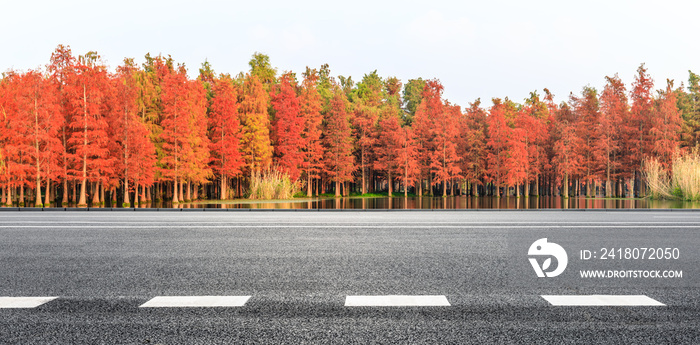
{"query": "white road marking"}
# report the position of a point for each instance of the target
(509, 226)
(54, 222)
(678, 216)
(396, 301)
(195, 301)
(601, 300)
(24, 302)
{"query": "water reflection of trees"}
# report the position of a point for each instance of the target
(435, 203)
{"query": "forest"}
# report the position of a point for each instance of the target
(76, 132)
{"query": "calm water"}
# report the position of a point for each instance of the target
(459, 202)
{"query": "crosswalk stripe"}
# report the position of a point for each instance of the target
(396, 301)
(195, 301)
(601, 300)
(23, 302)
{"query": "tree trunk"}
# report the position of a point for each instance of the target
(47, 197)
(631, 187)
(95, 194)
(309, 185)
(224, 185)
(430, 184)
(565, 186)
(127, 201)
(21, 195)
(527, 189)
(64, 200)
(337, 189)
(176, 193)
(102, 193)
(390, 184)
(37, 202)
(113, 196)
(362, 158)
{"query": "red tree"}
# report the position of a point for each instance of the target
(88, 89)
(614, 111)
(287, 127)
(666, 126)
(498, 144)
(408, 158)
(338, 161)
(15, 143)
(444, 159)
(388, 150)
(567, 158)
(225, 133)
(532, 120)
(430, 109)
(133, 149)
(310, 111)
(641, 115)
(39, 109)
(472, 145)
(198, 170)
(176, 131)
(586, 109)
(255, 121)
(62, 69)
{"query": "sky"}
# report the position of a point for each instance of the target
(481, 49)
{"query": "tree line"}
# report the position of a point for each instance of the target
(75, 132)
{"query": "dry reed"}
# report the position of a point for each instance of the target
(684, 180)
(272, 184)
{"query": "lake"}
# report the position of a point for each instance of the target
(458, 202)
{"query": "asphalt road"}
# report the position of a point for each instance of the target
(299, 267)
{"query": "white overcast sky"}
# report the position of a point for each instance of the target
(478, 49)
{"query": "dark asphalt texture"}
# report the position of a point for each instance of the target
(299, 267)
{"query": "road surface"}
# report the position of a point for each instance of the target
(417, 277)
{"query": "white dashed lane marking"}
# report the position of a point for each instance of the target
(601, 300)
(195, 301)
(396, 301)
(23, 302)
(353, 301)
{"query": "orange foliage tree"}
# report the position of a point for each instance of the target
(338, 159)
(89, 88)
(586, 109)
(472, 145)
(39, 108)
(255, 140)
(287, 127)
(666, 126)
(614, 110)
(225, 133)
(131, 137)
